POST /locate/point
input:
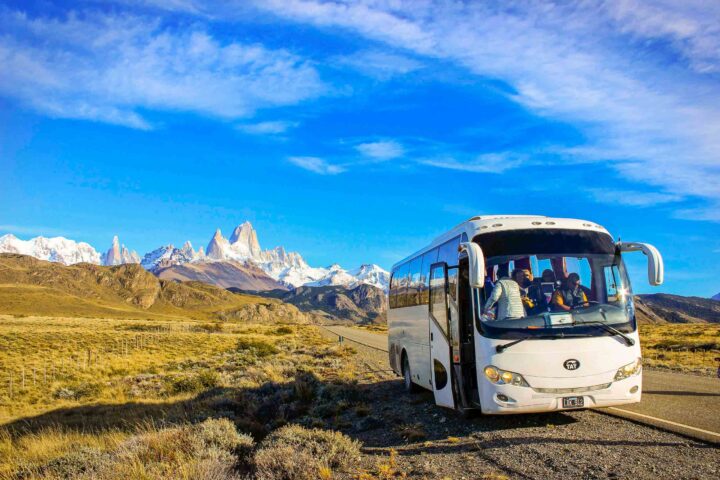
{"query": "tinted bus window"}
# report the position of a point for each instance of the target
(392, 292)
(402, 286)
(428, 259)
(449, 255)
(414, 285)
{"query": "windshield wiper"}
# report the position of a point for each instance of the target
(505, 346)
(628, 341)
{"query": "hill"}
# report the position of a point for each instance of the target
(361, 304)
(29, 286)
(245, 276)
(666, 308)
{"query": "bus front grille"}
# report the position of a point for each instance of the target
(573, 390)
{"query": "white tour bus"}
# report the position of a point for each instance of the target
(447, 332)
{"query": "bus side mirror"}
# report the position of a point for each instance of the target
(476, 261)
(656, 268)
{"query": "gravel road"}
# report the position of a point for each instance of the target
(432, 442)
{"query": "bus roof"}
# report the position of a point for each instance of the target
(495, 223)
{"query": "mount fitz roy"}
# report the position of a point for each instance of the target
(219, 263)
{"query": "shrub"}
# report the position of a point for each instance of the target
(192, 383)
(81, 460)
(294, 453)
(258, 348)
(78, 391)
(222, 434)
(215, 327)
(283, 331)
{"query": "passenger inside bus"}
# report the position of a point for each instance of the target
(506, 295)
(524, 278)
(570, 294)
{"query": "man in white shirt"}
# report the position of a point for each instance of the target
(506, 294)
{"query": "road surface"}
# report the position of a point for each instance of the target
(686, 404)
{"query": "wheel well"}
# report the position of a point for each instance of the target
(403, 356)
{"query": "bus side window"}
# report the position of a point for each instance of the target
(414, 286)
(402, 286)
(449, 255)
(428, 259)
(392, 291)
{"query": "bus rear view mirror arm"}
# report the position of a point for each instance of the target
(656, 269)
(476, 261)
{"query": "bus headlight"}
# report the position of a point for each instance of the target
(503, 377)
(629, 370)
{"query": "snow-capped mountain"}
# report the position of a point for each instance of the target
(372, 274)
(119, 254)
(168, 255)
(288, 268)
(56, 249)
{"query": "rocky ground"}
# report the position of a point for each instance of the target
(407, 435)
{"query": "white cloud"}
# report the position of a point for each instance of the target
(316, 165)
(381, 150)
(267, 128)
(585, 63)
(709, 213)
(632, 198)
(110, 67)
(378, 64)
(692, 26)
(485, 163)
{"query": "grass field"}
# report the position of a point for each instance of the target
(108, 398)
(685, 347)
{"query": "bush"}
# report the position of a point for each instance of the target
(192, 383)
(283, 331)
(216, 327)
(78, 391)
(82, 460)
(258, 348)
(296, 453)
(222, 434)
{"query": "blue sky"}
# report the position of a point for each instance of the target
(356, 132)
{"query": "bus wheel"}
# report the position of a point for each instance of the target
(410, 387)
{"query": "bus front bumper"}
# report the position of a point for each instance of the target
(506, 399)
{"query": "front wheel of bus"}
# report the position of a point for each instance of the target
(410, 387)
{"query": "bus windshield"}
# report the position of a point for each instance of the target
(553, 283)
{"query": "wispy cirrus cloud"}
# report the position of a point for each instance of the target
(485, 163)
(632, 198)
(381, 150)
(267, 128)
(111, 67)
(378, 64)
(316, 165)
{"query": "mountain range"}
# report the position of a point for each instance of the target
(235, 262)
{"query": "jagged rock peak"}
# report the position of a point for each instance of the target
(119, 254)
(217, 246)
(245, 241)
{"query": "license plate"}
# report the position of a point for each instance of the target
(573, 402)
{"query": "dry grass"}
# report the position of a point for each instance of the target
(685, 347)
(139, 407)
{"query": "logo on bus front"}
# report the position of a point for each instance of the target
(571, 364)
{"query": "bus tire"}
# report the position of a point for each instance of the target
(408, 384)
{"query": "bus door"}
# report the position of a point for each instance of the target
(440, 350)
